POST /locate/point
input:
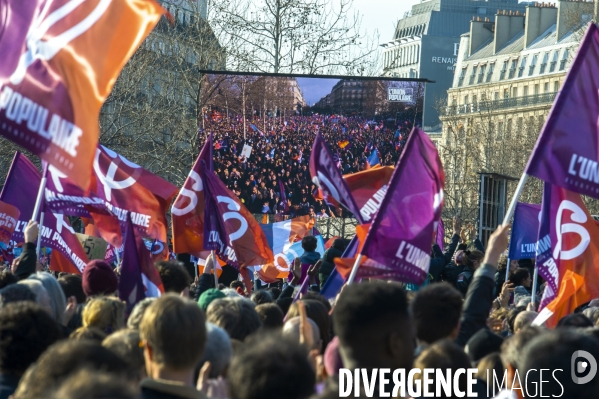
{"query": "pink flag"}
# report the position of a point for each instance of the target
(399, 240)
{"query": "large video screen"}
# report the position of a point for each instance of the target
(265, 125)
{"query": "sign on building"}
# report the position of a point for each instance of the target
(403, 95)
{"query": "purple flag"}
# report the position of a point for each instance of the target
(20, 190)
(525, 231)
(326, 175)
(131, 286)
(567, 150)
(229, 228)
(283, 196)
(399, 240)
(440, 234)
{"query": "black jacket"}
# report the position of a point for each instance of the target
(28, 260)
(478, 303)
(328, 265)
(441, 259)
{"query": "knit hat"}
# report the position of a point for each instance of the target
(208, 296)
(481, 344)
(99, 279)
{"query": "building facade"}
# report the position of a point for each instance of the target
(426, 42)
(509, 70)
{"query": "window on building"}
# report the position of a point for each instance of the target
(513, 68)
(490, 71)
(503, 70)
(514, 92)
(496, 96)
(508, 128)
(525, 91)
(554, 61)
(481, 74)
(474, 69)
(562, 63)
(519, 125)
(556, 86)
(522, 65)
(546, 87)
(499, 135)
(537, 89)
(466, 99)
(462, 76)
(544, 63)
(533, 64)
(506, 93)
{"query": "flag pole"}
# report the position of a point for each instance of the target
(40, 194)
(512, 208)
(214, 268)
(354, 270)
(507, 269)
(535, 281)
(39, 235)
(118, 257)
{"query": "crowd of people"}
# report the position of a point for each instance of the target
(70, 337)
(281, 150)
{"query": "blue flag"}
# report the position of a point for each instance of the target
(525, 231)
(373, 159)
(333, 285)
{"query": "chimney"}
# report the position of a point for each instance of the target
(539, 18)
(569, 15)
(506, 28)
(480, 31)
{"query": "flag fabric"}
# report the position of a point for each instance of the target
(567, 149)
(60, 60)
(333, 285)
(326, 176)
(342, 144)
(229, 228)
(139, 277)
(187, 212)
(281, 238)
(525, 231)
(568, 255)
(111, 252)
(373, 159)
(283, 196)
(119, 189)
(9, 215)
(440, 234)
(398, 243)
(20, 190)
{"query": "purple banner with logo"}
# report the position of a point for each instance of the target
(398, 243)
(229, 228)
(525, 231)
(567, 150)
(545, 262)
(327, 176)
(20, 190)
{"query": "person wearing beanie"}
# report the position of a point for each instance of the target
(208, 296)
(99, 279)
(481, 344)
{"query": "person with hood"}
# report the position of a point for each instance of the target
(328, 264)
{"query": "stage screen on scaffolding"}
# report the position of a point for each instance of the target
(266, 101)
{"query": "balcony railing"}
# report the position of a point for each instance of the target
(495, 105)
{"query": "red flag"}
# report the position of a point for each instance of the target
(8, 221)
(60, 60)
(573, 255)
(187, 212)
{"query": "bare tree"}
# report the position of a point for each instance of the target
(295, 36)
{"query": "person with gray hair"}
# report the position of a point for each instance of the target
(524, 320)
(42, 297)
(58, 301)
(218, 351)
(292, 327)
(137, 313)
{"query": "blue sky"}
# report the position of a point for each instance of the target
(315, 88)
